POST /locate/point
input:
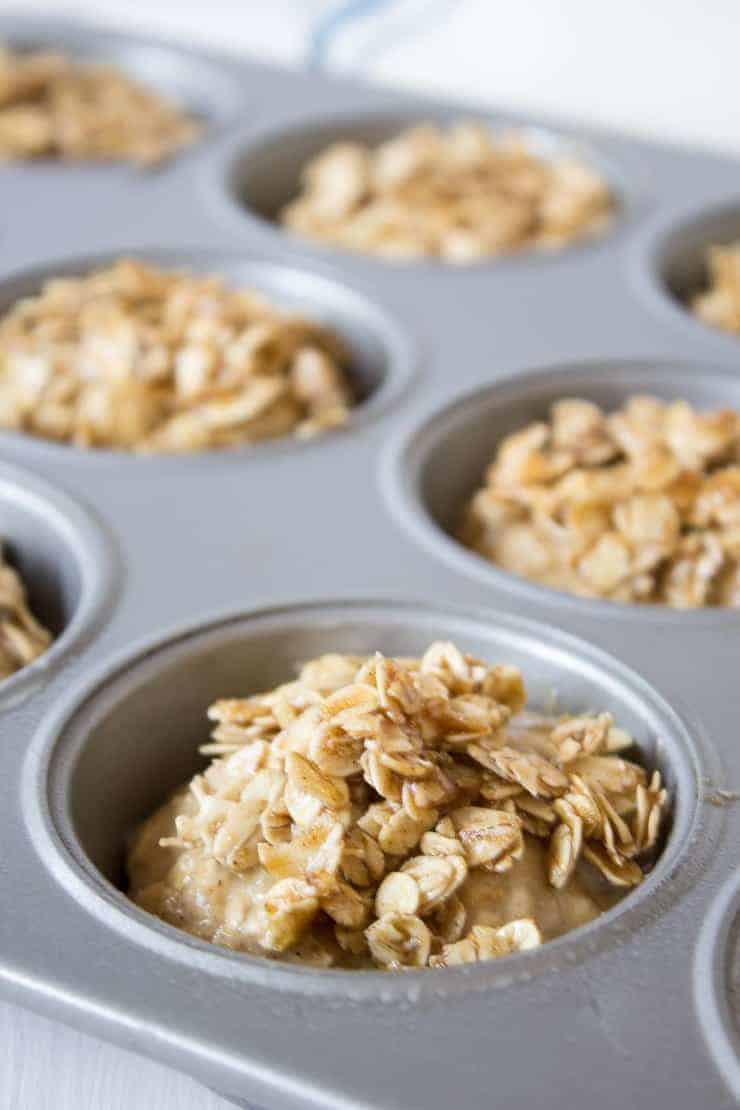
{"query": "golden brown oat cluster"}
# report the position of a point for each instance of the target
(22, 638)
(54, 107)
(719, 304)
(144, 359)
(460, 195)
(398, 813)
(637, 505)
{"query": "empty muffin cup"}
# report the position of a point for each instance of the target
(717, 981)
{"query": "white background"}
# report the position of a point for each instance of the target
(666, 69)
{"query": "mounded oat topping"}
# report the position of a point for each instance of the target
(54, 107)
(139, 358)
(460, 194)
(719, 304)
(22, 638)
(638, 505)
(397, 813)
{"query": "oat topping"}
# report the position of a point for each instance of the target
(138, 358)
(397, 813)
(52, 106)
(22, 638)
(462, 194)
(638, 505)
(719, 304)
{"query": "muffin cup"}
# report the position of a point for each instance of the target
(431, 472)
(98, 767)
(67, 564)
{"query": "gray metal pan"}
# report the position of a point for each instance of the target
(173, 580)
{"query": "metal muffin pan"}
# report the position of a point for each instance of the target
(184, 578)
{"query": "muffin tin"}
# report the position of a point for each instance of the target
(176, 579)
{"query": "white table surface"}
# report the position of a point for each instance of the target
(667, 69)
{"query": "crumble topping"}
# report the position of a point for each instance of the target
(52, 106)
(462, 194)
(22, 638)
(135, 357)
(395, 812)
(719, 303)
(638, 505)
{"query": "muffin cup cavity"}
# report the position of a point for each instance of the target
(672, 268)
(260, 173)
(196, 84)
(66, 563)
(717, 982)
(430, 473)
(122, 742)
(381, 356)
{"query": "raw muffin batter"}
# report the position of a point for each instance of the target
(52, 106)
(138, 358)
(461, 195)
(398, 813)
(22, 638)
(639, 505)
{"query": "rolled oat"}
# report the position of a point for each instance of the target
(145, 359)
(52, 106)
(719, 303)
(22, 638)
(284, 847)
(637, 505)
(462, 194)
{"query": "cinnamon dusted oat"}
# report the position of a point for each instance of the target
(139, 358)
(52, 106)
(719, 304)
(22, 638)
(462, 194)
(637, 505)
(398, 813)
